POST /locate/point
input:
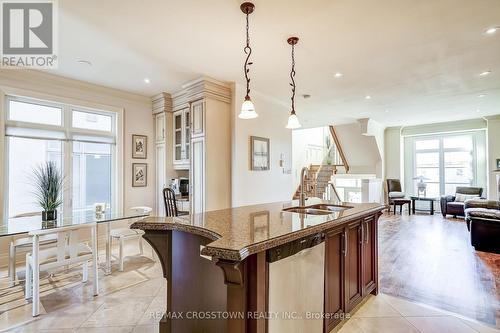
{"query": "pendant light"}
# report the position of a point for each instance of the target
(247, 108)
(293, 120)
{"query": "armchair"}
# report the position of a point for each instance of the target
(449, 205)
(483, 222)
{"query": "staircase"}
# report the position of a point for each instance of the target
(320, 175)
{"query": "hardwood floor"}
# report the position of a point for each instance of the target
(429, 259)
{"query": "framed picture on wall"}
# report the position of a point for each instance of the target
(259, 153)
(139, 174)
(139, 146)
(498, 163)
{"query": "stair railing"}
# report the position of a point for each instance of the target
(332, 189)
(339, 152)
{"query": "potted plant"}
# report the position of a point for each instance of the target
(48, 187)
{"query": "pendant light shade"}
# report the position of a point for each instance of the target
(247, 108)
(293, 120)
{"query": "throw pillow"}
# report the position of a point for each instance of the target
(459, 197)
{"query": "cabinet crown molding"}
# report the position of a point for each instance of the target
(204, 87)
(162, 103)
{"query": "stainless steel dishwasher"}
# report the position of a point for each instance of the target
(296, 286)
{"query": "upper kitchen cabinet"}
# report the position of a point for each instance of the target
(181, 138)
(160, 127)
(198, 115)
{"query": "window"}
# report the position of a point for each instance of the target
(20, 170)
(81, 141)
(445, 161)
(92, 121)
(34, 113)
(91, 174)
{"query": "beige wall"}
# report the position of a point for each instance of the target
(252, 187)
(137, 119)
(393, 155)
(362, 152)
(493, 136)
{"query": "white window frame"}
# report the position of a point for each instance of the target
(411, 163)
(68, 105)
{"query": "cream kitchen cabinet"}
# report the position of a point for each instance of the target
(161, 181)
(197, 175)
(181, 139)
(202, 142)
(160, 127)
(198, 118)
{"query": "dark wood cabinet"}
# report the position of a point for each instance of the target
(353, 265)
(334, 277)
(369, 255)
(350, 267)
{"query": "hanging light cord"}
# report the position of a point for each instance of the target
(292, 76)
(248, 52)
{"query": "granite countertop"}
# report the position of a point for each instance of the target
(242, 231)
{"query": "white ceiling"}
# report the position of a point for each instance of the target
(419, 60)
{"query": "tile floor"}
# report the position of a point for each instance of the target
(388, 314)
(129, 301)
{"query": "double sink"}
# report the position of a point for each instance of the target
(318, 209)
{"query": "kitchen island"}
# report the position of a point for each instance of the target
(266, 268)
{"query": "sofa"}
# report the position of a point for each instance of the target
(483, 222)
(454, 204)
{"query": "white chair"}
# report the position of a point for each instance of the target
(123, 234)
(67, 252)
(24, 244)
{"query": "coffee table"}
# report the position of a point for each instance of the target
(428, 199)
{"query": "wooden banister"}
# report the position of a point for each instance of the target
(333, 133)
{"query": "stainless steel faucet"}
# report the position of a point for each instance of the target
(302, 196)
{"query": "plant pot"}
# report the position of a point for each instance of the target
(49, 215)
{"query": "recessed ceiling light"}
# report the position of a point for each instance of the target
(146, 80)
(478, 110)
(338, 75)
(386, 111)
(368, 97)
(481, 95)
(84, 62)
(485, 73)
(491, 30)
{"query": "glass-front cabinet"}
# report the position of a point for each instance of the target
(182, 136)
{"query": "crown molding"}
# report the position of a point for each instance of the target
(162, 103)
(203, 87)
(20, 78)
(495, 117)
